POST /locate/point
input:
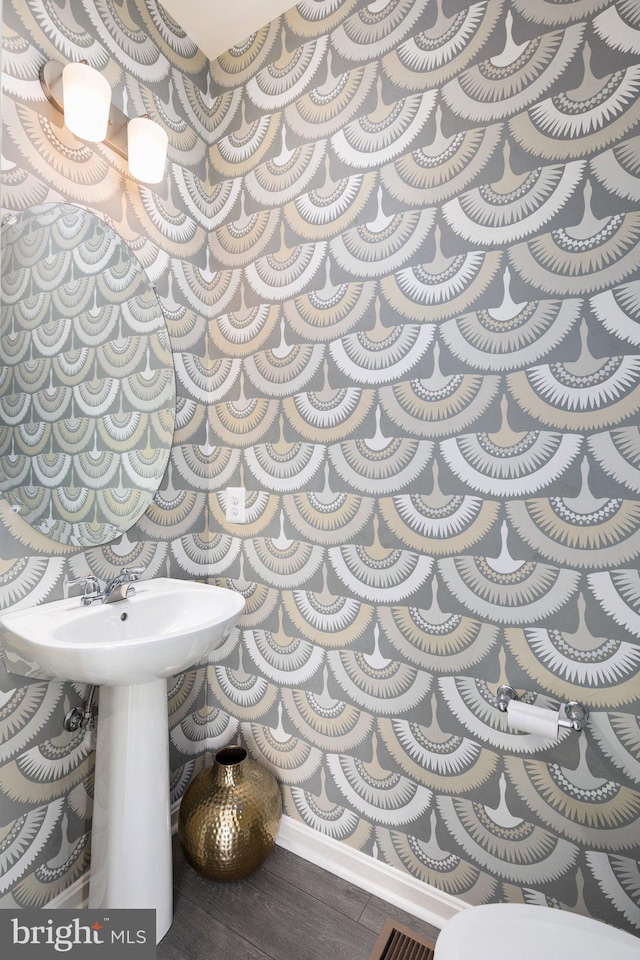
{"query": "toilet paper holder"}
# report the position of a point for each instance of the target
(575, 713)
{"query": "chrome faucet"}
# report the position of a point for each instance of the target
(119, 588)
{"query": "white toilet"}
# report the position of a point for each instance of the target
(513, 931)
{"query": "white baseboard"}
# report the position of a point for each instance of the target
(401, 889)
(75, 897)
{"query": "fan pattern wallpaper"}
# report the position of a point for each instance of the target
(397, 253)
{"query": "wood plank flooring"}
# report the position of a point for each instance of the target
(289, 909)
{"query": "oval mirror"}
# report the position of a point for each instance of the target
(87, 387)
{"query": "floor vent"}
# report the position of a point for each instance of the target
(397, 942)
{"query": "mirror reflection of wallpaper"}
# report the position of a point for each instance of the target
(403, 303)
(87, 393)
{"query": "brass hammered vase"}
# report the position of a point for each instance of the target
(229, 817)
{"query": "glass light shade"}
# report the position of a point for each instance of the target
(147, 147)
(86, 96)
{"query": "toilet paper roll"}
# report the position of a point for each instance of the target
(531, 719)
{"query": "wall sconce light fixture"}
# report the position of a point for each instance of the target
(86, 95)
(147, 143)
(83, 95)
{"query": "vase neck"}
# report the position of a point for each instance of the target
(228, 766)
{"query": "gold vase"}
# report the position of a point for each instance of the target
(229, 816)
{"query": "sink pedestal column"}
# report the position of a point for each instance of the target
(131, 834)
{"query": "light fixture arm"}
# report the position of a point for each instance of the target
(51, 82)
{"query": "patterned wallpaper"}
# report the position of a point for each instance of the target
(397, 256)
(431, 392)
(46, 775)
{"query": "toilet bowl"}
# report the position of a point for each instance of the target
(514, 931)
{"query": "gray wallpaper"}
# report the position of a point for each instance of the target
(46, 775)
(398, 257)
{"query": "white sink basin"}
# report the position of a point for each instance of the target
(129, 648)
(166, 627)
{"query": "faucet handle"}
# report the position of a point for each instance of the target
(133, 573)
(91, 587)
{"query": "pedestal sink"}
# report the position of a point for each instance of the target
(129, 648)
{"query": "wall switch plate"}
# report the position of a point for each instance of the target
(236, 505)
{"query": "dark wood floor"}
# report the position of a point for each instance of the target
(289, 909)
